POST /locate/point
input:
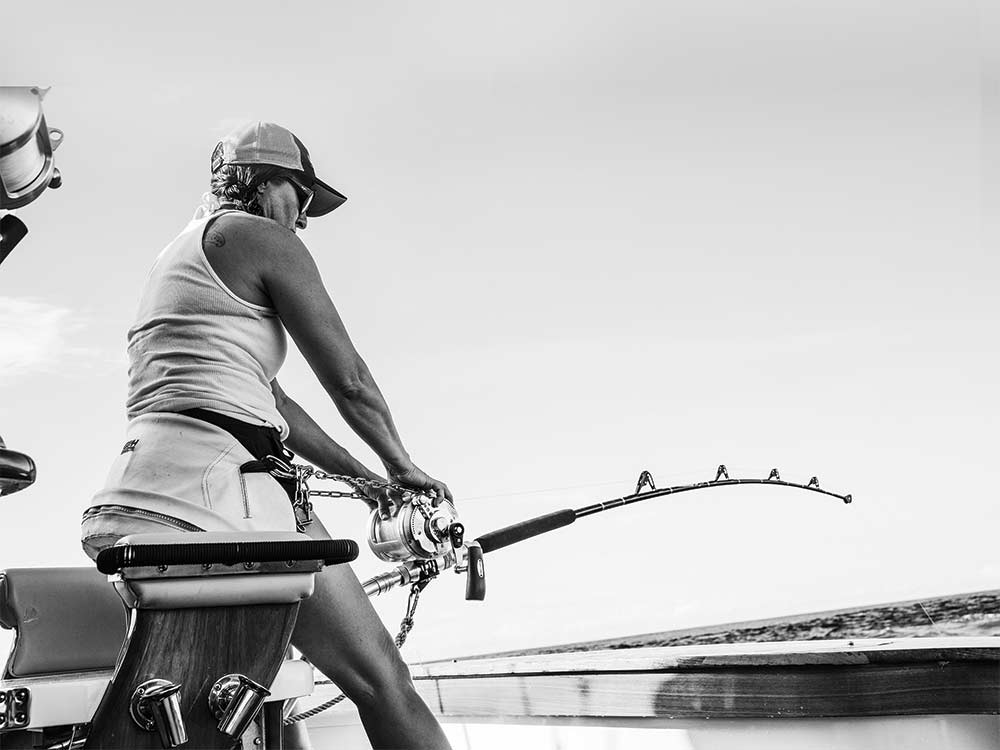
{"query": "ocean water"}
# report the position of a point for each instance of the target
(962, 615)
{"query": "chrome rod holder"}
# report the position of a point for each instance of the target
(235, 700)
(156, 706)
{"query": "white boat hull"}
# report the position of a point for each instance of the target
(905, 694)
(955, 732)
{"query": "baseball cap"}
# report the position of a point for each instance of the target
(268, 143)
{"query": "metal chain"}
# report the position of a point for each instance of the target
(359, 481)
(404, 630)
(304, 472)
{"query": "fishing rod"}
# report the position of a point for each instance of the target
(518, 532)
(429, 538)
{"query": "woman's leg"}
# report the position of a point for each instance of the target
(339, 631)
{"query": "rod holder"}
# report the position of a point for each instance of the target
(235, 700)
(156, 706)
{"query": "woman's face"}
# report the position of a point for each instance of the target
(283, 202)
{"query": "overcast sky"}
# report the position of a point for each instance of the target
(582, 239)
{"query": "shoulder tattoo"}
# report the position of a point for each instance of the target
(215, 238)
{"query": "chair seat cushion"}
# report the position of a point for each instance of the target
(66, 620)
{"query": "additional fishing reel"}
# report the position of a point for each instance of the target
(26, 146)
(27, 166)
(416, 530)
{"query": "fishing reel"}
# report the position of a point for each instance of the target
(421, 536)
(425, 538)
(416, 530)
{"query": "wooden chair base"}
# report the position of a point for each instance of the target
(193, 648)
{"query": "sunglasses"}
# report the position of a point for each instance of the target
(305, 194)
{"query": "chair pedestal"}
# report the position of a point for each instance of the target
(192, 648)
(210, 618)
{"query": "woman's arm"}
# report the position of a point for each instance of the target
(291, 280)
(307, 439)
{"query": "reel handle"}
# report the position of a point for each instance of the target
(475, 581)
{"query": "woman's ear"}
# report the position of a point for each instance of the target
(262, 186)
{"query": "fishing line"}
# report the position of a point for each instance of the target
(541, 491)
(618, 482)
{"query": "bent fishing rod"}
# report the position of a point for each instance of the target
(428, 538)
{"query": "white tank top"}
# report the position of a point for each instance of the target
(195, 344)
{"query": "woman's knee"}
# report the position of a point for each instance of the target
(389, 681)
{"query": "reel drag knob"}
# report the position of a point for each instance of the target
(456, 533)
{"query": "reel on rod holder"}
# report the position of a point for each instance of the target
(26, 146)
(27, 166)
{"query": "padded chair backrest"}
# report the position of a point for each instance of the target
(67, 620)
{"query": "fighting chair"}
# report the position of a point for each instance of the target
(185, 648)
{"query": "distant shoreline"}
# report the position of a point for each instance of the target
(972, 614)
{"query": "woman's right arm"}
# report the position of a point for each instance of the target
(289, 277)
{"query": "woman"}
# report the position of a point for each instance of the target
(203, 400)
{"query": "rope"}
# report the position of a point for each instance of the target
(404, 630)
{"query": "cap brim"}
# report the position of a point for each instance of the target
(325, 200)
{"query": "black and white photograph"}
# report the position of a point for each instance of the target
(467, 376)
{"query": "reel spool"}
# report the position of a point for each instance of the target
(417, 530)
(26, 146)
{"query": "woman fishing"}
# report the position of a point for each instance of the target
(204, 400)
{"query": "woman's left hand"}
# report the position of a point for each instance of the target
(379, 498)
(420, 480)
